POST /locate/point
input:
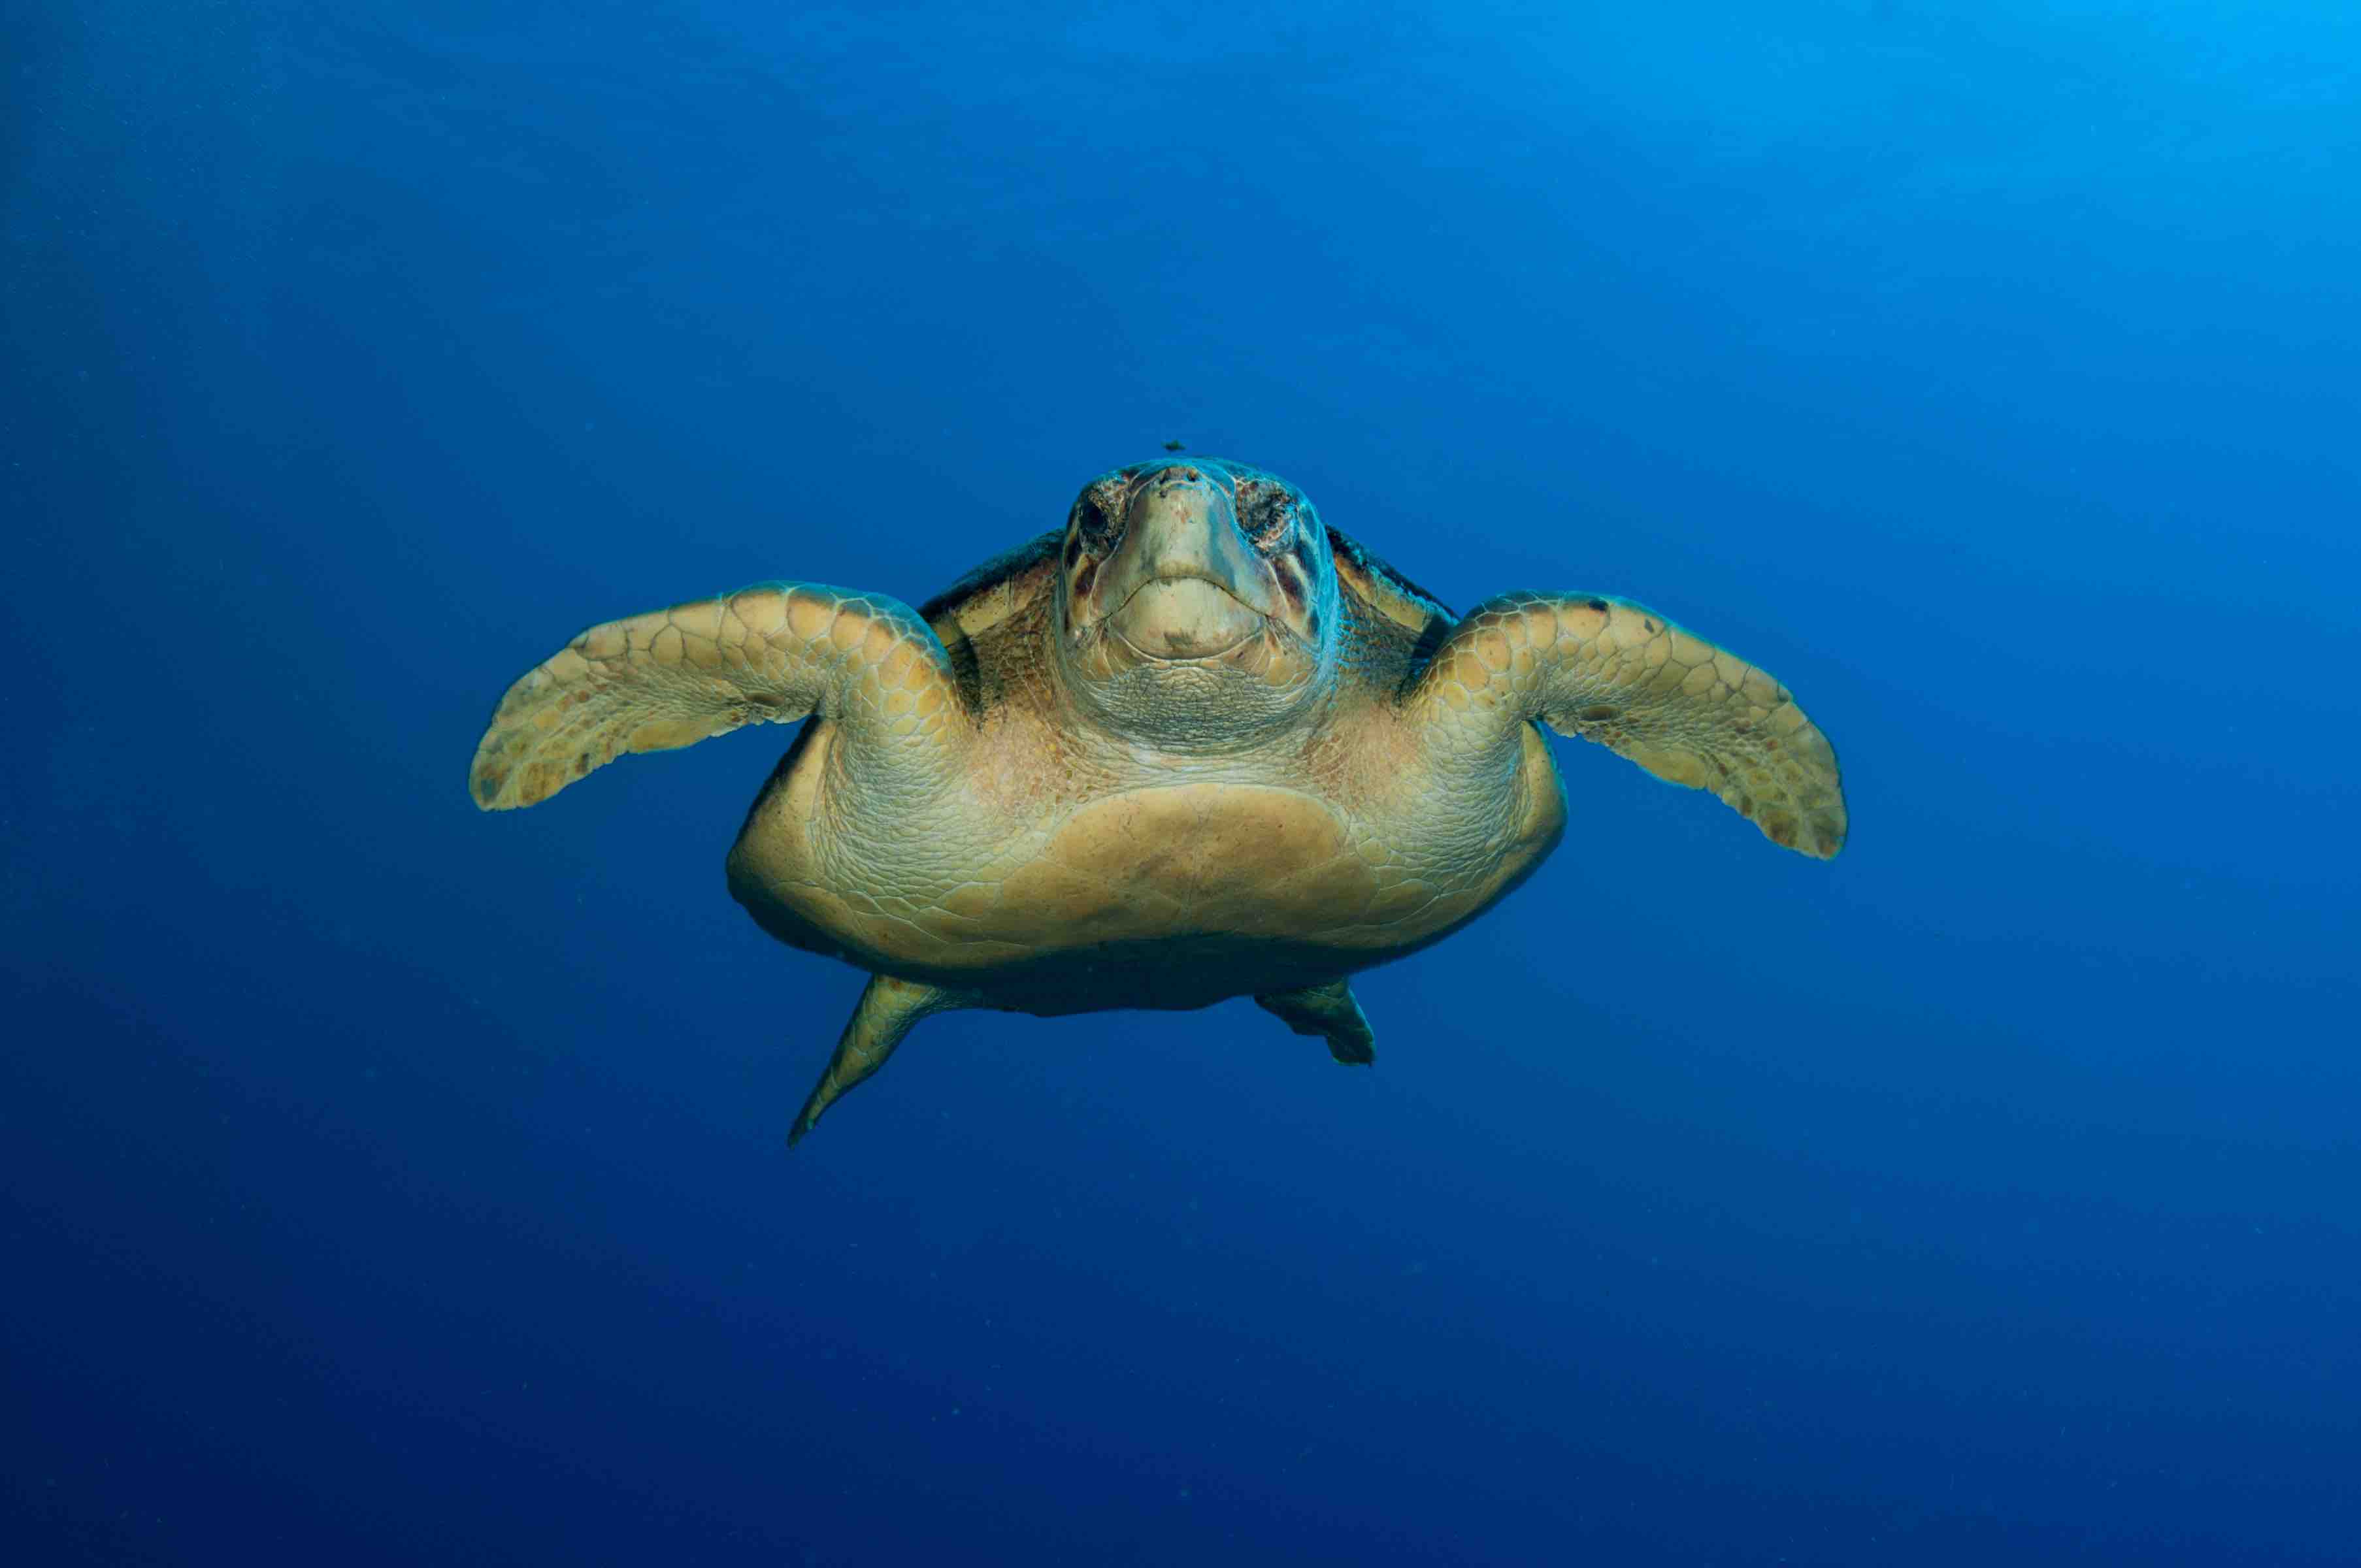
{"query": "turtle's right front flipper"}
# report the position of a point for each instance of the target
(768, 654)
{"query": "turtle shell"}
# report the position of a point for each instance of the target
(1362, 571)
(991, 593)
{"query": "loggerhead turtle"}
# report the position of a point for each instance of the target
(1194, 745)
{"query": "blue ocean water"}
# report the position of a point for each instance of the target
(385, 1182)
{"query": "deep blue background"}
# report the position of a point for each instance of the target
(388, 1183)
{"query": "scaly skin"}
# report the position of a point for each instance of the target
(1033, 800)
(1616, 673)
(771, 653)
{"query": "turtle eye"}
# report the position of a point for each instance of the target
(1091, 525)
(1266, 511)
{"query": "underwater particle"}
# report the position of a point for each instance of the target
(1194, 745)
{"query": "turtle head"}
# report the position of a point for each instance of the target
(1197, 605)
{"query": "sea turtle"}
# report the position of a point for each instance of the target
(1194, 745)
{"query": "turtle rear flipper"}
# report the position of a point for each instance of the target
(1330, 1013)
(885, 1013)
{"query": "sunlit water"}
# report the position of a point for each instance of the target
(388, 1183)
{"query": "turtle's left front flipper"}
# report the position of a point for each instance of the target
(1616, 673)
(885, 1013)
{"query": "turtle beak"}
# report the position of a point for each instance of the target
(1185, 584)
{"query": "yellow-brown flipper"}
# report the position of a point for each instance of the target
(1329, 1013)
(1616, 673)
(768, 654)
(887, 1010)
